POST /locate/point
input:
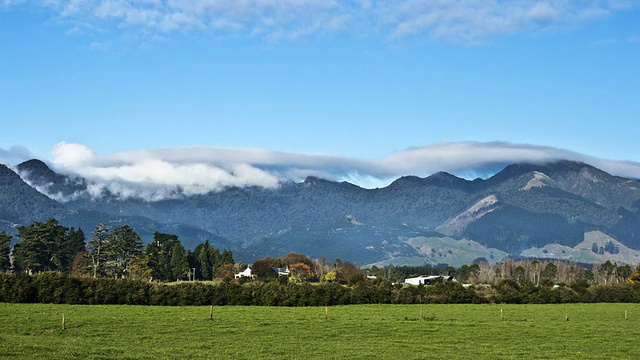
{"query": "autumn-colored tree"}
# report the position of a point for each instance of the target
(635, 276)
(296, 258)
(261, 269)
(82, 264)
(347, 272)
(274, 261)
(227, 271)
(300, 271)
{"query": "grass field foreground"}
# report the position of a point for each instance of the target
(593, 331)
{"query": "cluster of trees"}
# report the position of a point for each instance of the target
(45, 246)
(208, 262)
(303, 268)
(545, 271)
(117, 253)
(550, 271)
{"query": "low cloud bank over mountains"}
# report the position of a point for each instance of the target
(157, 174)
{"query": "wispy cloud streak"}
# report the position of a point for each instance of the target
(465, 21)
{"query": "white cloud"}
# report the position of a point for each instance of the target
(466, 21)
(14, 155)
(472, 21)
(170, 172)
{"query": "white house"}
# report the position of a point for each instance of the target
(427, 279)
(281, 271)
(246, 273)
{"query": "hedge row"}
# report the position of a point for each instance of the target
(57, 288)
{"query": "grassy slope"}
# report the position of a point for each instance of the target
(595, 331)
(583, 253)
(453, 252)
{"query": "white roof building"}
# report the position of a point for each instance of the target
(428, 279)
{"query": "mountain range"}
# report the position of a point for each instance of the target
(564, 209)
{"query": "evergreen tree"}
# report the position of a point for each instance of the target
(226, 258)
(205, 260)
(179, 264)
(5, 250)
(77, 241)
(160, 254)
(97, 246)
(122, 245)
(550, 271)
(139, 267)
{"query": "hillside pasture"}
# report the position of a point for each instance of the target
(593, 331)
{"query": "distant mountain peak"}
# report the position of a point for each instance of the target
(475, 212)
(443, 178)
(39, 175)
(538, 180)
(550, 169)
(407, 180)
(36, 167)
(313, 180)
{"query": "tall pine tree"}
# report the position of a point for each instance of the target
(5, 250)
(179, 264)
(160, 254)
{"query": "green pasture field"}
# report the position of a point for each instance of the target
(594, 331)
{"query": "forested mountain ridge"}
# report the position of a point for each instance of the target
(522, 207)
(22, 203)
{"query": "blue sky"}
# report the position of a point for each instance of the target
(86, 83)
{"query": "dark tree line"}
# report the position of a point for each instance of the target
(117, 253)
